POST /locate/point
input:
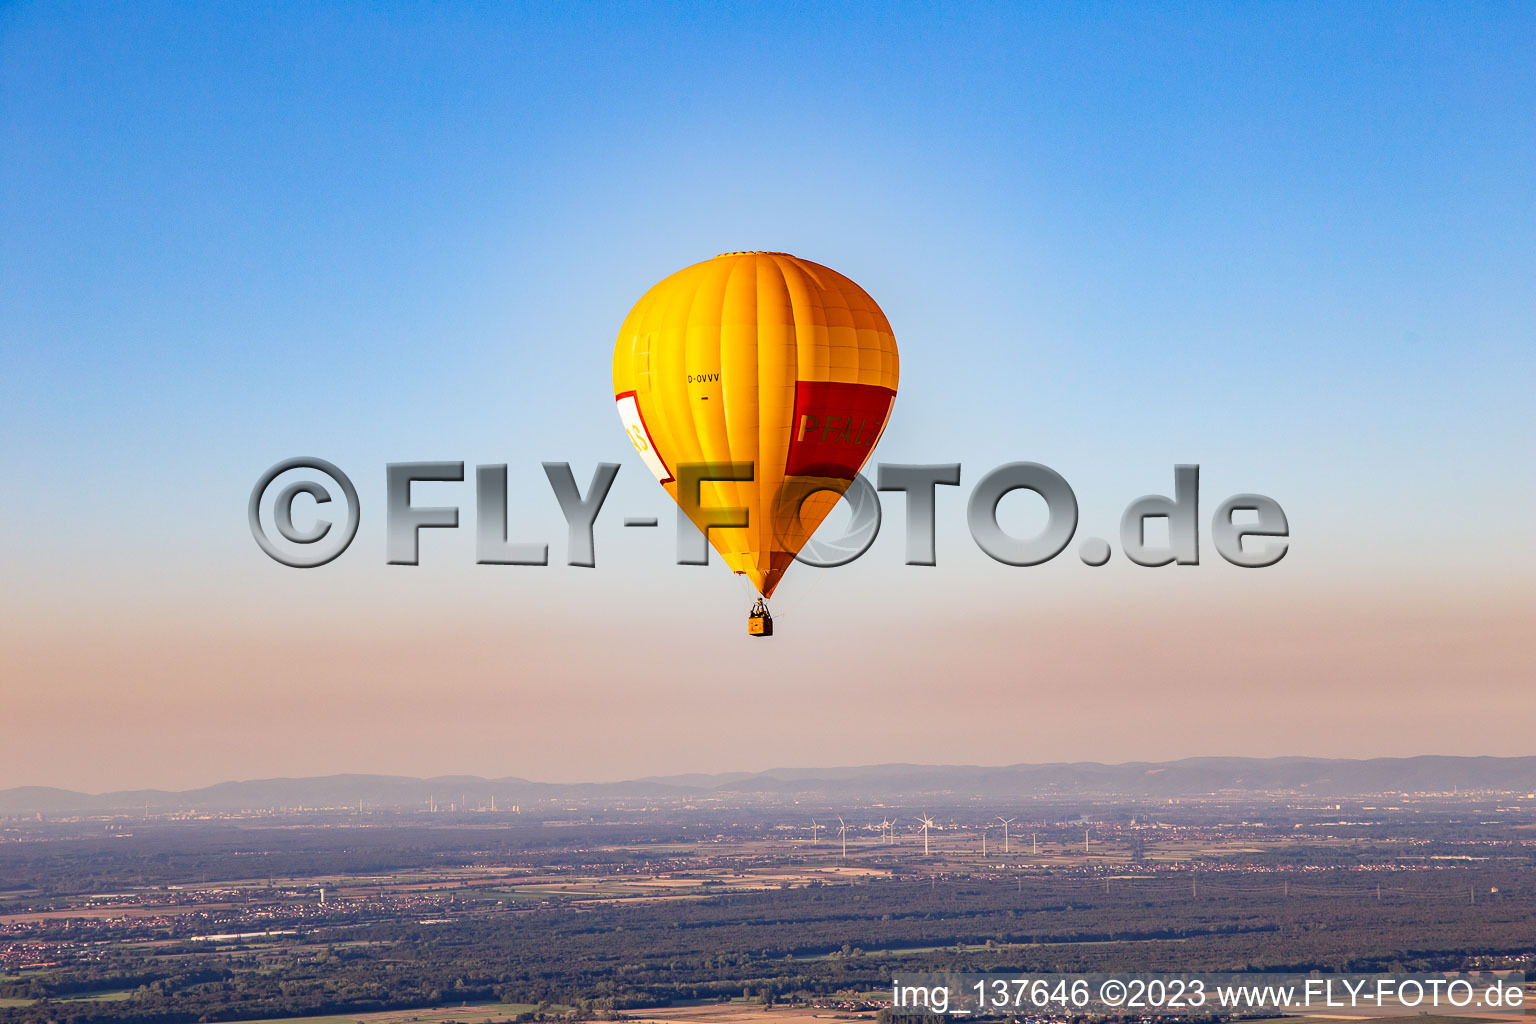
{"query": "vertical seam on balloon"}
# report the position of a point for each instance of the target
(768, 534)
(814, 317)
(687, 441)
(758, 540)
(711, 274)
(786, 266)
(736, 487)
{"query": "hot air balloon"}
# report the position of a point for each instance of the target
(761, 358)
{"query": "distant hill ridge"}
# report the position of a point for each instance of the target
(1191, 777)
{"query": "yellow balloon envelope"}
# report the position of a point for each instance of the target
(765, 358)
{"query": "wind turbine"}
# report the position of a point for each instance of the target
(1006, 822)
(815, 831)
(927, 823)
(842, 833)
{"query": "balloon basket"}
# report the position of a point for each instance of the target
(760, 625)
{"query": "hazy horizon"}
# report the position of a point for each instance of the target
(1193, 778)
(787, 772)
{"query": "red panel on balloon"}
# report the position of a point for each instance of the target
(835, 427)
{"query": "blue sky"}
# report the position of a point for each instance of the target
(1293, 243)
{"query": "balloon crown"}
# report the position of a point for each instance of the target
(754, 252)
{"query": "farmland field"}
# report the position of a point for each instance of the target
(688, 917)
